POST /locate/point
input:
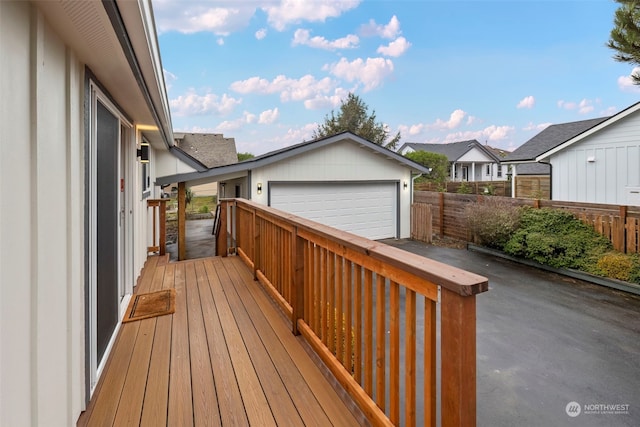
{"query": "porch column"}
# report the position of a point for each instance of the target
(473, 171)
(514, 172)
(453, 171)
(182, 216)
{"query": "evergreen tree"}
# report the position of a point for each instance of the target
(625, 36)
(354, 117)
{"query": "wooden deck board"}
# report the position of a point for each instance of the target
(225, 357)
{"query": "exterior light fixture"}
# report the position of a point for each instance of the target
(405, 185)
(591, 159)
(143, 152)
(259, 188)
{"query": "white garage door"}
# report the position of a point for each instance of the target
(367, 209)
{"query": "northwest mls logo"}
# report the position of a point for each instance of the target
(573, 409)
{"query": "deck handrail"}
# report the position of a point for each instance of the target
(356, 303)
(158, 225)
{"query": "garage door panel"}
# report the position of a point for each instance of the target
(365, 209)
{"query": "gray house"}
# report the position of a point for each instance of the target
(469, 160)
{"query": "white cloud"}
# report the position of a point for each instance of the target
(371, 73)
(395, 48)
(472, 119)
(169, 78)
(324, 102)
(192, 104)
(302, 37)
(268, 117)
(456, 117)
(609, 111)
(388, 31)
(490, 133)
(411, 130)
(304, 88)
(261, 33)
(584, 107)
(539, 127)
(220, 41)
(527, 102)
(625, 83)
(231, 125)
(192, 17)
(293, 11)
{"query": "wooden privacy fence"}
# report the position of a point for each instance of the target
(421, 222)
(620, 224)
(158, 225)
(498, 188)
(368, 310)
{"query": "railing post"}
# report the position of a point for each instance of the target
(257, 252)
(458, 344)
(163, 226)
(182, 218)
(297, 274)
(622, 230)
(221, 244)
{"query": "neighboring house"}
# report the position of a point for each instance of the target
(344, 181)
(468, 160)
(209, 149)
(81, 91)
(601, 164)
(527, 173)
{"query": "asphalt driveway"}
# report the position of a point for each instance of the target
(551, 350)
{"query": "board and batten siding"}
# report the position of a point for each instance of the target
(602, 167)
(41, 223)
(341, 161)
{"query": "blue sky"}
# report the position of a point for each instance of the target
(268, 72)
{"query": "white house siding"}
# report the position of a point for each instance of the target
(343, 161)
(41, 223)
(616, 154)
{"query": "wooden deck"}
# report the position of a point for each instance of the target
(225, 357)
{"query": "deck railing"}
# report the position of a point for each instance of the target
(369, 311)
(158, 214)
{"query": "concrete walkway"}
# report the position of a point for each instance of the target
(545, 340)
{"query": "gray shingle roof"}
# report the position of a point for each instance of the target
(533, 169)
(550, 138)
(210, 149)
(453, 150)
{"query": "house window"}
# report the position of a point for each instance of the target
(488, 169)
(499, 171)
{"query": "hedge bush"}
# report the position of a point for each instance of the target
(493, 222)
(556, 238)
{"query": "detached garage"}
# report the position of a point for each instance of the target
(343, 181)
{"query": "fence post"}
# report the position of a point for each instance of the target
(441, 215)
(458, 344)
(256, 244)
(622, 230)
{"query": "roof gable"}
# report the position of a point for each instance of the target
(454, 150)
(607, 121)
(210, 149)
(289, 152)
(550, 138)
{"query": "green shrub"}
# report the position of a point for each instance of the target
(556, 238)
(617, 265)
(464, 188)
(493, 222)
(204, 209)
